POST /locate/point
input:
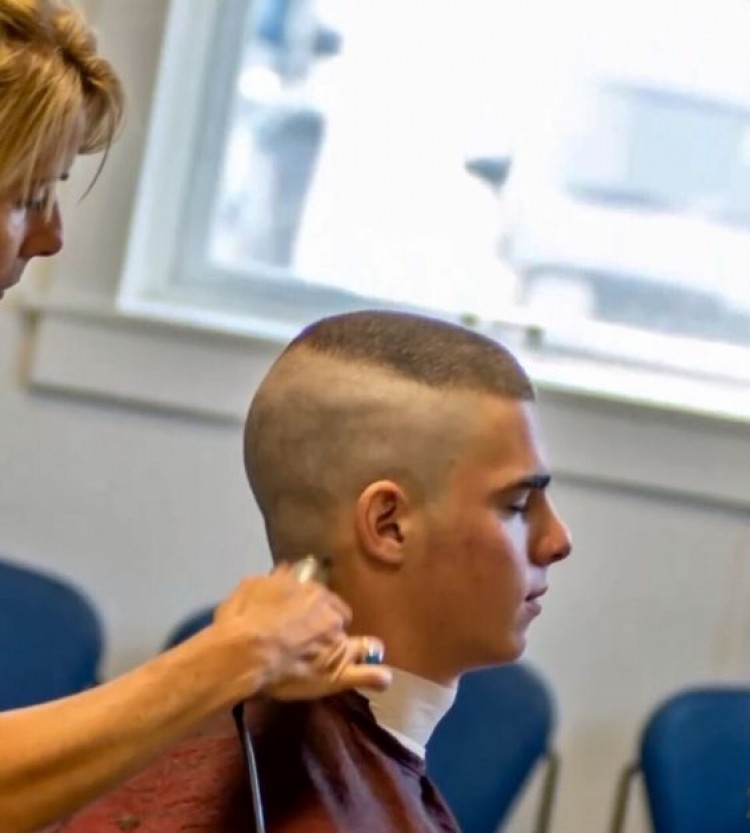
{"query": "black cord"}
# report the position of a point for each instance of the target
(238, 713)
(307, 569)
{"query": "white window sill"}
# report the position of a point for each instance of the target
(91, 349)
(607, 425)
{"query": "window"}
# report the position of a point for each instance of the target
(681, 154)
(526, 165)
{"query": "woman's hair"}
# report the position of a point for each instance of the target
(53, 84)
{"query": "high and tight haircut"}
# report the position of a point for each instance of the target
(341, 408)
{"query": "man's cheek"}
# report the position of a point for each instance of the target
(514, 538)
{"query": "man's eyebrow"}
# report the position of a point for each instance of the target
(531, 481)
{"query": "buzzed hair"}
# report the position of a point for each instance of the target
(360, 397)
(427, 350)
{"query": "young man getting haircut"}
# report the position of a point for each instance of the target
(405, 453)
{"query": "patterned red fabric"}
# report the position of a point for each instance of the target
(325, 767)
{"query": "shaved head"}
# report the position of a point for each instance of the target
(364, 397)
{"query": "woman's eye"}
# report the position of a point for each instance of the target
(39, 202)
(36, 201)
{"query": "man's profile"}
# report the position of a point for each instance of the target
(405, 451)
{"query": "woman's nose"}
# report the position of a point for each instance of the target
(44, 236)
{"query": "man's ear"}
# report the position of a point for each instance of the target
(383, 522)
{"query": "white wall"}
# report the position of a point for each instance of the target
(150, 513)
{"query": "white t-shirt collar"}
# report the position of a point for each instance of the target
(411, 708)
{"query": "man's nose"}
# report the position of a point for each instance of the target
(554, 541)
(44, 237)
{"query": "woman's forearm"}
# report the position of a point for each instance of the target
(56, 757)
(272, 633)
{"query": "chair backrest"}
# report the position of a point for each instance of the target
(484, 749)
(190, 626)
(50, 638)
(695, 760)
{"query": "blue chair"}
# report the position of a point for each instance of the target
(50, 638)
(695, 763)
(484, 750)
(190, 626)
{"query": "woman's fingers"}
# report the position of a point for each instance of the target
(313, 589)
(298, 630)
(377, 677)
(359, 665)
(273, 622)
(351, 662)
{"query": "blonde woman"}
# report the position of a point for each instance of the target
(58, 99)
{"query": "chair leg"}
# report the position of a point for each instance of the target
(549, 787)
(621, 798)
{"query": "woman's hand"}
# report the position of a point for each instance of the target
(341, 666)
(296, 632)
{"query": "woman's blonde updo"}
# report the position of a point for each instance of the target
(53, 85)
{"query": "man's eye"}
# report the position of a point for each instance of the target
(520, 503)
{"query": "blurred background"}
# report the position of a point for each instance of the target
(585, 160)
(574, 178)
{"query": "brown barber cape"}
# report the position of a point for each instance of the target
(325, 767)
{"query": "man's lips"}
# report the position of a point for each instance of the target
(535, 594)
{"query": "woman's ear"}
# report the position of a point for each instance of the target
(382, 522)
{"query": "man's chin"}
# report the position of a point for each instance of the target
(502, 654)
(517, 652)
